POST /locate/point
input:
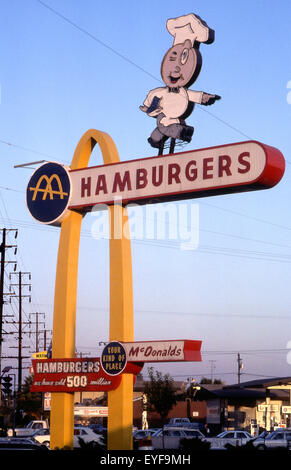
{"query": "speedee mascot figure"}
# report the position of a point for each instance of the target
(181, 65)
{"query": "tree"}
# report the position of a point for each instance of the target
(218, 382)
(204, 380)
(29, 402)
(160, 393)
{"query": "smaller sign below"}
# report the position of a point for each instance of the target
(286, 410)
(40, 355)
(47, 397)
(91, 411)
(164, 351)
(270, 407)
(71, 375)
(113, 358)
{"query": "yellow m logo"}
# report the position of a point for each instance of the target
(48, 189)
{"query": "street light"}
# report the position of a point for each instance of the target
(5, 370)
(27, 165)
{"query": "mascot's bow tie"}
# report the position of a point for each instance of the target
(174, 90)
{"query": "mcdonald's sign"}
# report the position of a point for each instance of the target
(53, 191)
(48, 193)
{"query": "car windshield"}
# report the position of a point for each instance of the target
(192, 433)
(157, 433)
(271, 435)
(41, 432)
(227, 435)
(263, 434)
(243, 434)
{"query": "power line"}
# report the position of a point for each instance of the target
(254, 255)
(231, 211)
(126, 59)
(216, 352)
(194, 314)
(19, 251)
(94, 38)
(257, 219)
(248, 351)
(20, 322)
(26, 149)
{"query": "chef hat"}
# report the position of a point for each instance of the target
(188, 27)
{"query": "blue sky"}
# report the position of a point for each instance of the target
(70, 66)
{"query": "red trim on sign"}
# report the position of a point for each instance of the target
(274, 168)
(270, 176)
(191, 351)
(133, 368)
(71, 381)
(264, 146)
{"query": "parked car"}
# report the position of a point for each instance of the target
(239, 434)
(277, 438)
(234, 438)
(169, 438)
(87, 435)
(263, 435)
(29, 429)
(42, 436)
(16, 443)
(142, 433)
(83, 432)
(97, 428)
(188, 425)
(178, 421)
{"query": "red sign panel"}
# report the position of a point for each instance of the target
(71, 375)
(241, 166)
(164, 351)
(75, 375)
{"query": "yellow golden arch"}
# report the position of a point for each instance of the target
(48, 189)
(120, 404)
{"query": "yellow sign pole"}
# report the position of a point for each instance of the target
(64, 325)
(120, 401)
(121, 307)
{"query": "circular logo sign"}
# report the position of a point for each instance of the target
(48, 193)
(113, 358)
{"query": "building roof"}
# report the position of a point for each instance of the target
(255, 389)
(262, 383)
(251, 390)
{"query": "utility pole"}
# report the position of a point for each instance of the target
(44, 339)
(3, 248)
(212, 362)
(239, 367)
(20, 296)
(37, 331)
(45, 332)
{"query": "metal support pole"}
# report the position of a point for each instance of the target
(3, 245)
(121, 311)
(172, 145)
(20, 332)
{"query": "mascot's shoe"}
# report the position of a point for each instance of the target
(186, 133)
(156, 143)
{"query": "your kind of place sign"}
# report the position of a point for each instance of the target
(243, 166)
(104, 374)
